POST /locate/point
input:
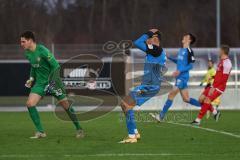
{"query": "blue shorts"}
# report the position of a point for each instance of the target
(143, 93)
(181, 83)
(151, 82)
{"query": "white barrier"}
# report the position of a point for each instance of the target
(230, 99)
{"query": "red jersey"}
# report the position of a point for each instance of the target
(223, 71)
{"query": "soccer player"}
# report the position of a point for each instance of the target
(208, 79)
(209, 76)
(184, 62)
(44, 68)
(218, 87)
(155, 59)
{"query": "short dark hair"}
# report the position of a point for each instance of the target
(210, 60)
(192, 38)
(28, 35)
(159, 35)
(225, 49)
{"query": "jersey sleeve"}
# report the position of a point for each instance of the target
(32, 73)
(141, 42)
(32, 69)
(48, 56)
(227, 66)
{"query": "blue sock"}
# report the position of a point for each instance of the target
(167, 105)
(194, 102)
(131, 125)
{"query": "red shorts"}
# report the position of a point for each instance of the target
(213, 96)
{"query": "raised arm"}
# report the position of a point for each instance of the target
(141, 42)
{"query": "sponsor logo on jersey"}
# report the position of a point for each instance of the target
(35, 65)
(38, 59)
(49, 56)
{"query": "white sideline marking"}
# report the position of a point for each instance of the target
(206, 129)
(130, 154)
(94, 155)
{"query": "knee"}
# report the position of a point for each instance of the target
(201, 100)
(65, 103)
(186, 99)
(30, 103)
(207, 101)
(127, 103)
(171, 96)
(123, 106)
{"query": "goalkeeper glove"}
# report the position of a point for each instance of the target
(29, 82)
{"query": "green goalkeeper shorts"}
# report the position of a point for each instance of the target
(54, 87)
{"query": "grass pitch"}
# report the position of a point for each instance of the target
(159, 140)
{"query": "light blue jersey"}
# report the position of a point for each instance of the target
(151, 81)
(183, 66)
(184, 62)
(141, 44)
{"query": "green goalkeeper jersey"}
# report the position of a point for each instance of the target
(43, 64)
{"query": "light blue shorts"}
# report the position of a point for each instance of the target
(143, 93)
(181, 83)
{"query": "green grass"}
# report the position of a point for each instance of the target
(159, 140)
(79, 100)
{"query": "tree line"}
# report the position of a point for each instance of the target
(98, 21)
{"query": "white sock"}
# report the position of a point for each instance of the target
(131, 135)
(135, 131)
(198, 120)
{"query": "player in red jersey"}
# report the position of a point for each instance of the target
(218, 87)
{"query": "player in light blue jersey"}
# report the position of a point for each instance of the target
(155, 59)
(184, 62)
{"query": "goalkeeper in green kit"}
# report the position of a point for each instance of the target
(44, 78)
